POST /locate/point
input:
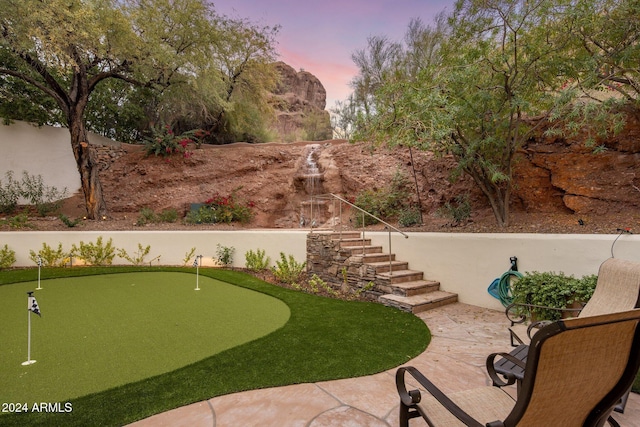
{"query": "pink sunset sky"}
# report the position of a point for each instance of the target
(320, 36)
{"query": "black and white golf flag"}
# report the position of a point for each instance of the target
(33, 304)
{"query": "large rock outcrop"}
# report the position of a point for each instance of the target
(562, 174)
(300, 100)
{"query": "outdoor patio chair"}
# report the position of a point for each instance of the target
(617, 289)
(576, 371)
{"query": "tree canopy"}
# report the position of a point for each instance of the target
(484, 78)
(111, 65)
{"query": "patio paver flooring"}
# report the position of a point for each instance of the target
(463, 336)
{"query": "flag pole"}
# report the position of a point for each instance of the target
(197, 265)
(29, 361)
(39, 267)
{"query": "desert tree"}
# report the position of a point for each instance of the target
(66, 49)
(607, 36)
(65, 55)
(498, 65)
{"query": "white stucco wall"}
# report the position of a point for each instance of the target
(463, 263)
(467, 263)
(30, 148)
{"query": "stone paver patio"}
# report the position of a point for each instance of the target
(463, 336)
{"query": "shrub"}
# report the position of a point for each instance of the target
(224, 254)
(163, 142)
(552, 290)
(146, 216)
(459, 210)
(50, 257)
(256, 261)
(7, 257)
(46, 199)
(221, 209)
(168, 215)
(138, 257)
(18, 221)
(95, 254)
(188, 255)
(409, 217)
(9, 193)
(384, 203)
(288, 270)
(317, 284)
(68, 221)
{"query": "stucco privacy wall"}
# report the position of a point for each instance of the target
(463, 263)
(34, 149)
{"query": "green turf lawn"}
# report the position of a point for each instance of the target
(99, 332)
(323, 339)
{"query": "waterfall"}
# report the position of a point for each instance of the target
(311, 173)
(309, 183)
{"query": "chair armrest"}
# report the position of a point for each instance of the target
(514, 316)
(509, 376)
(411, 398)
(534, 326)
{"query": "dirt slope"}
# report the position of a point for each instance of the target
(271, 176)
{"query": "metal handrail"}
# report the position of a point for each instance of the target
(388, 226)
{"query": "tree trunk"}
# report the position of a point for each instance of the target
(88, 168)
(498, 198)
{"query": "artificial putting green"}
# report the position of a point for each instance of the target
(99, 332)
(324, 339)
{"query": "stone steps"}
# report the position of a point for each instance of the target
(419, 303)
(405, 289)
(347, 243)
(377, 257)
(358, 250)
(408, 289)
(362, 263)
(401, 276)
(384, 266)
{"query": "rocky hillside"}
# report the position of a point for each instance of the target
(560, 186)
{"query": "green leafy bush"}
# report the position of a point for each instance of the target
(138, 257)
(50, 257)
(221, 209)
(7, 257)
(95, 253)
(9, 193)
(146, 216)
(224, 254)
(68, 221)
(164, 142)
(18, 221)
(459, 210)
(256, 261)
(409, 217)
(384, 203)
(288, 270)
(46, 199)
(188, 255)
(552, 290)
(168, 215)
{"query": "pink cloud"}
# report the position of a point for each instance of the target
(321, 36)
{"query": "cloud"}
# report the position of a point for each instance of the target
(321, 36)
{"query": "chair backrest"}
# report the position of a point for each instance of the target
(617, 289)
(577, 369)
